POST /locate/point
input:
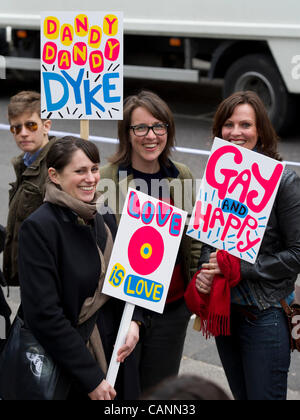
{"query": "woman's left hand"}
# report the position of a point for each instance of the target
(213, 266)
(131, 341)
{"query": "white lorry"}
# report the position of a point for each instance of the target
(250, 44)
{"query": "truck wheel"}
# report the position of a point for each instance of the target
(258, 72)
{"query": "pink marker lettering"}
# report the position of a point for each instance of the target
(217, 215)
(228, 173)
(243, 179)
(232, 222)
(268, 185)
(199, 216)
(163, 214)
(250, 244)
(133, 207)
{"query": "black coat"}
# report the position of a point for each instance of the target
(59, 267)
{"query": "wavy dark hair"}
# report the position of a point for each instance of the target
(159, 109)
(267, 137)
(61, 152)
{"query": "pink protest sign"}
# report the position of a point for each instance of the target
(235, 200)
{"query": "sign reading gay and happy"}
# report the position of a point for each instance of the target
(145, 251)
(235, 200)
(82, 65)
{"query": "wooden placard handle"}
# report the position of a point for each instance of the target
(85, 129)
(121, 338)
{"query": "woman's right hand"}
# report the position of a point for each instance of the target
(103, 392)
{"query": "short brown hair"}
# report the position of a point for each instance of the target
(61, 152)
(24, 102)
(159, 109)
(267, 137)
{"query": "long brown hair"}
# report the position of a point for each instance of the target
(159, 109)
(267, 137)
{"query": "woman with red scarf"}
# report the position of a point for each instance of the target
(238, 302)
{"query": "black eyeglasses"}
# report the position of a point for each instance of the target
(142, 130)
(29, 125)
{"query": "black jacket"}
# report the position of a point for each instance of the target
(5, 311)
(275, 272)
(2, 242)
(59, 267)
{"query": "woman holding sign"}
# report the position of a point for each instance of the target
(64, 251)
(256, 356)
(147, 135)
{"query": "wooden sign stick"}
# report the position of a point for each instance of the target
(121, 338)
(85, 129)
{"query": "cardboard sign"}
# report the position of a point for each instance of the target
(145, 251)
(82, 65)
(235, 200)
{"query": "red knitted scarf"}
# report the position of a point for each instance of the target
(214, 309)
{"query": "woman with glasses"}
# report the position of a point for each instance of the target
(30, 133)
(142, 161)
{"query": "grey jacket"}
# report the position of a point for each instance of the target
(275, 272)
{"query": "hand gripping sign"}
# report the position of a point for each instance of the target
(143, 259)
(82, 65)
(235, 200)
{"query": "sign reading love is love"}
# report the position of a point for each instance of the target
(82, 65)
(235, 200)
(145, 251)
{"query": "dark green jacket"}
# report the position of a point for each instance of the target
(25, 196)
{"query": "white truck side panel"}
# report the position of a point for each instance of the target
(287, 56)
(255, 19)
(274, 21)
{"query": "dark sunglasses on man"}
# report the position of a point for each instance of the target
(29, 125)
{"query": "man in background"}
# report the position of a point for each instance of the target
(30, 133)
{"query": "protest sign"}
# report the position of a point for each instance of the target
(145, 251)
(143, 260)
(82, 65)
(236, 197)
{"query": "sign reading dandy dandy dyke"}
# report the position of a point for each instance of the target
(235, 200)
(82, 65)
(145, 251)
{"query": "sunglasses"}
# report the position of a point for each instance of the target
(29, 125)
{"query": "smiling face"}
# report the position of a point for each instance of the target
(30, 132)
(240, 129)
(147, 149)
(79, 178)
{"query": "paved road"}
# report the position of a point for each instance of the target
(193, 107)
